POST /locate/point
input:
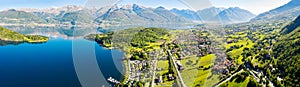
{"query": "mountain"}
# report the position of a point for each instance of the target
(188, 14)
(54, 10)
(135, 14)
(233, 15)
(78, 17)
(51, 15)
(69, 14)
(226, 16)
(170, 16)
(65, 15)
(291, 26)
(14, 16)
(286, 51)
(116, 15)
(131, 14)
(208, 13)
(286, 12)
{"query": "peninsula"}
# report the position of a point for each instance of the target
(12, 36)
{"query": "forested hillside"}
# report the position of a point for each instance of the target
(9, 35)
(286, 52)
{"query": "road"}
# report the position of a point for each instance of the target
(176, 68)
(154, 71)
(270, 82)
(255, 77)
(270, 51)
(217, 85)
(129, 73)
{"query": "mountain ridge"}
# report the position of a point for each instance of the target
(291, 26)
(233, 15)
(131, 14)
(287, 11)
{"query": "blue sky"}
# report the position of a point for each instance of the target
(255, 6)
(6, 4)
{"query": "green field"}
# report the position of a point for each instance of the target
(194, 75)
(135, 42)
(236, 53)
(165, 65)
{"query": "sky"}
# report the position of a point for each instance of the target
(254, 6)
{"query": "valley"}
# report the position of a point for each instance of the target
(195, 57)
(158, 46)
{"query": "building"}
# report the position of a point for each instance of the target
(179, 65)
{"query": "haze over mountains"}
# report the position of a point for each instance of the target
(133, 14)
(288, 11)
(225, 16)
(217, 15)
(126, 14)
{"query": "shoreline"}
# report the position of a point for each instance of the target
(125, 62)
(125, 76)
(12, 36)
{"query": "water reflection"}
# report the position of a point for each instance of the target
(71, 33)
(4, 43)
(68, 33)
(62, 32)
(79, 32)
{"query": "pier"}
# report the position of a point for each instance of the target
(112, 80)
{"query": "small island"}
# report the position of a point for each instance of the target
(12, 36)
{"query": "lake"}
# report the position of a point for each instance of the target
(66, 60)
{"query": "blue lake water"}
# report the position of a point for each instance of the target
(66, 60)
(52, 64)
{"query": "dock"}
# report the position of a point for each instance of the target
(112, 80)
